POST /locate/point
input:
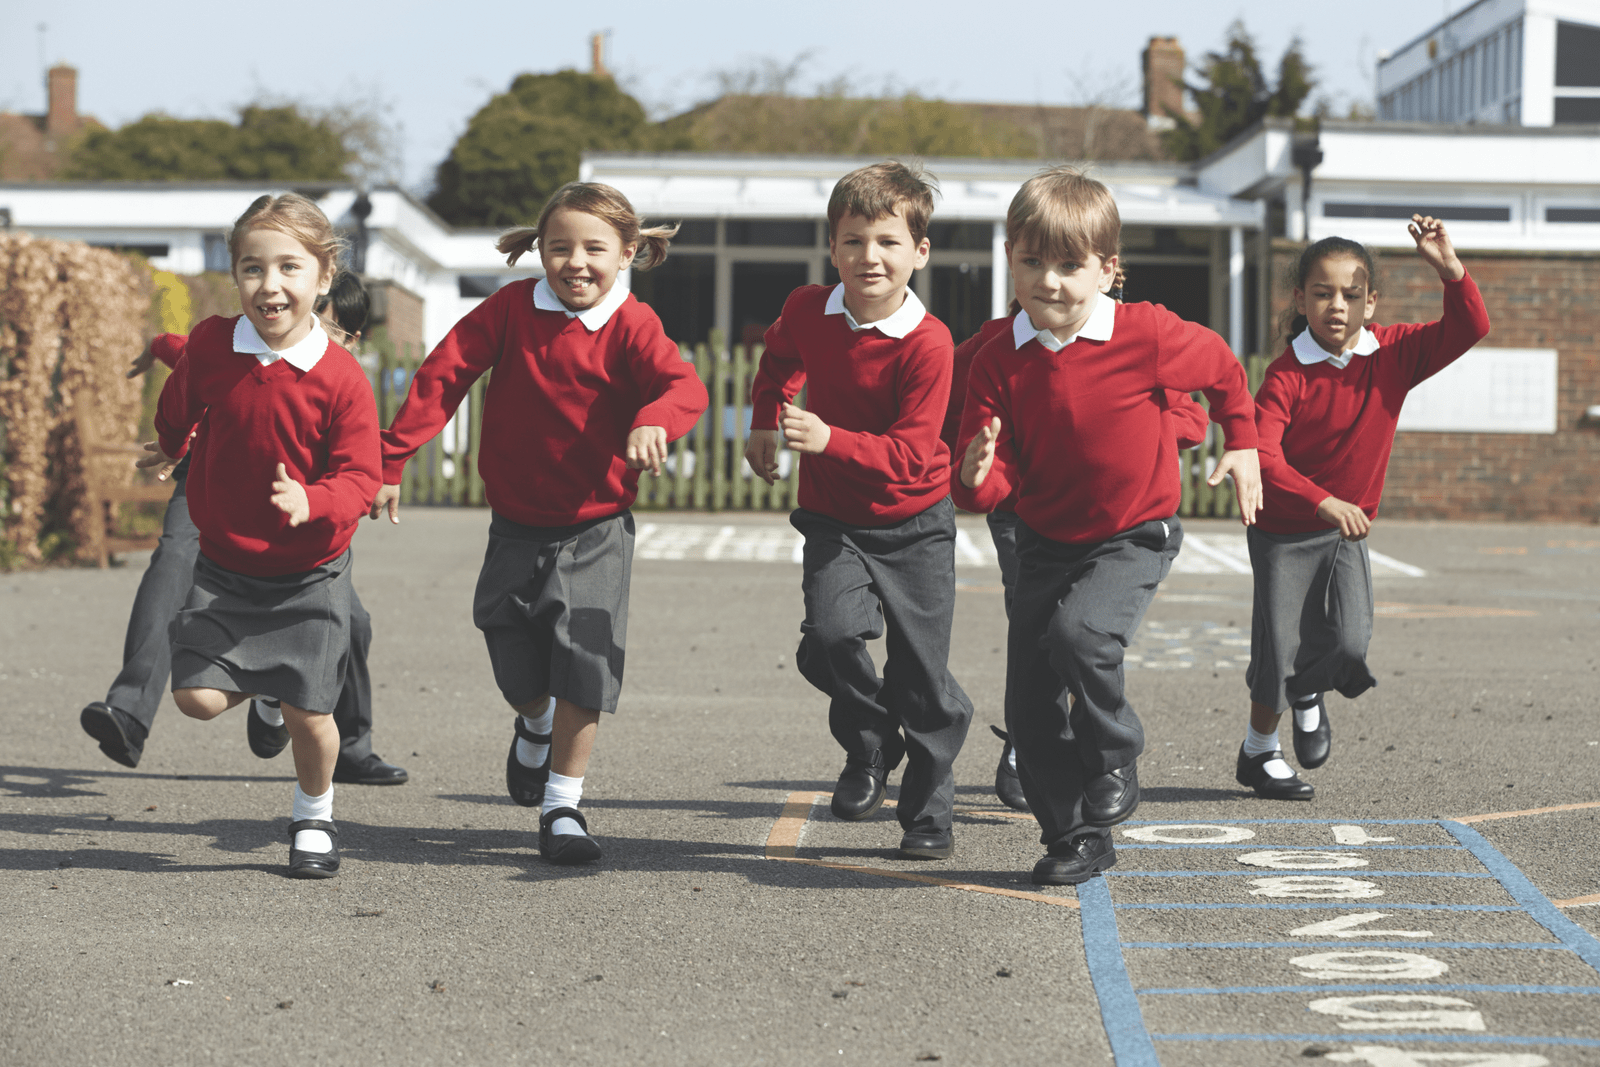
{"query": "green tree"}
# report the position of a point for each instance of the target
(273, 143)
(527, 141)
(1235, 95)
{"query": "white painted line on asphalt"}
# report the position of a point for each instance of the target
(1231, 562)
(1394, 564)
(719, 542)
(965, 546)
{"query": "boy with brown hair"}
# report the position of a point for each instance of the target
(875, 504)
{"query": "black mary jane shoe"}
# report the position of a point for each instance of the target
(266, 740)
(1076, 861)
(566, 849)
(927, 845)
(313, 864)
(121, 736)
(1111, 797)
(1007, 786)
(1311, 747)
(1251, 772)
(369, 770)
(526, 784)
(860, 788)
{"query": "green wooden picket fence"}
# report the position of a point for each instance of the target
(705, 470)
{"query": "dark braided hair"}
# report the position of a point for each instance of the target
(1326, 248)
(351, 305)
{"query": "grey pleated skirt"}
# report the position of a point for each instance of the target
(1312, 619)
(286, 637)
(552, 602)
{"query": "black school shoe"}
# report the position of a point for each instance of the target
(1311, 747)
(121, 736)
(266, 740)
(566, 849)
(1007, 786)
(1111, 797)
(927, 845)
(313, 864)
(526, 784)
(1251, 772)
(860, 788)
(1075, 861)
(368, 771)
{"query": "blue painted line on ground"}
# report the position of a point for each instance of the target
(1523, 891)
(1583, 990)
(1445, 1039)
(1249, 845)
(1119, 1005)
(1270, 872)
(1555, 946)
(1186, 906)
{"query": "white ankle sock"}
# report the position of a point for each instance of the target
(1256, 744)
(320, 808)
(270, 711)
(563, 792)
(528, 753)
(1306, 719)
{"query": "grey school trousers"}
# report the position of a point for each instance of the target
(147, 648)
(860, 581)
(1077, 608)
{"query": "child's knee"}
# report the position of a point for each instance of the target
(198, 703)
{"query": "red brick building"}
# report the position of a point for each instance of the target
(33, 147)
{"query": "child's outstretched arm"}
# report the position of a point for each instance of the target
(674, 396)
(1425, 349)
(1435, 247)
(1245, 467)
(1191, 357)
(178, 413)
(780, 377)
(988, 463)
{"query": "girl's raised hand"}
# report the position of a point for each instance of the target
(1433, 245)
(979, 456)
(158, 459)
(1245, 466)
(647, 449)
(289, 497)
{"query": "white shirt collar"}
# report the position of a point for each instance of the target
(1100, 324)
(545, 299)
(905, 318)
(302, 356)
(1307, 351)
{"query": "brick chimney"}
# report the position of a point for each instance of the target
(597, 54)
(1163, 82)
(62, 118)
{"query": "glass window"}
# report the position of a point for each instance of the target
(961, 297)
(1183, 290)
(1572, 214)
(682, 292)
(1448, 212)
(964, 236)
(759, 290)
(694, 231)
(1578, 110)
(779, 233)
(215, 248)
(477, 285)
(1577, 55)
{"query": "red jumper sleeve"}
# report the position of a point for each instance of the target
(167, 347)
(178, 411)
(1188, 419)
(468, 351)
(779, 379)
(345, 490)
(675, 397)
(986, 400)
(910, 445)
(960, 368)
(1429, 348)
(1190, 357)
(1275, 404)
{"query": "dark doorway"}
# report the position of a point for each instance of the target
(759, 290)
(1182, 289)
(682, 291)
(961, 297)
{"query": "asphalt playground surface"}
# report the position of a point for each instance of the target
(1437, 903)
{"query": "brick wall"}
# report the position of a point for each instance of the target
(1535, 300)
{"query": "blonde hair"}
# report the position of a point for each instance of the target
(1063, 214)
(882, 189)
(604, 203)
(296, 216)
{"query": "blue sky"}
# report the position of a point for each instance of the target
(432, 72)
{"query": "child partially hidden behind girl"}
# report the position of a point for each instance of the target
(286, 438)
(1326, 415)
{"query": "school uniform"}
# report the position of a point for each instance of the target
(568, 388)
(147, 648)
(879, 534)
(1088, 447)
(269, 610)
(1326, 426)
